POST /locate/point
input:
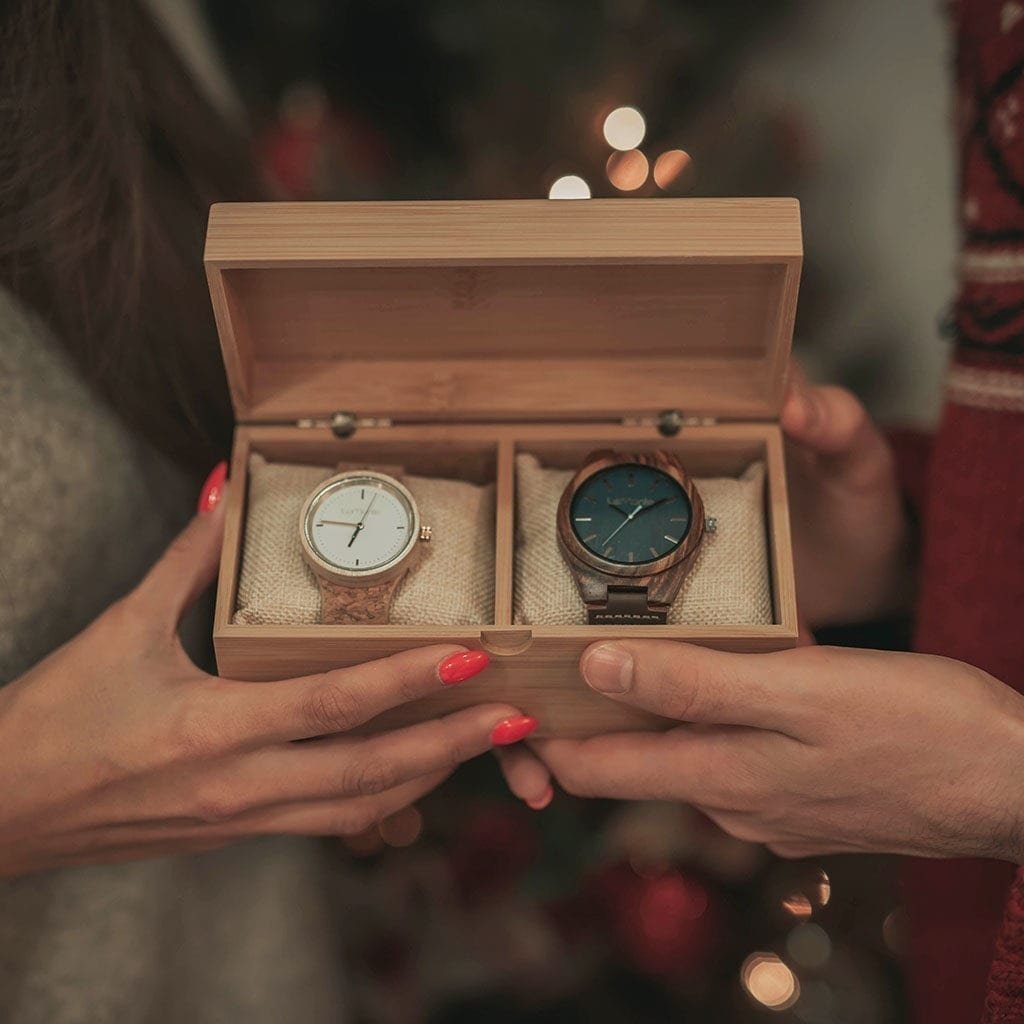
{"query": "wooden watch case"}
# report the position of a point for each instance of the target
(449, 337)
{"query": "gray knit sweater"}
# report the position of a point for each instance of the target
(246, 934)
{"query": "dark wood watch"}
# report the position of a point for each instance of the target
(629, 528)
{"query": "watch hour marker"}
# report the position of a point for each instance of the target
(653, 551)
(678, 519)
(607, 551)
(632, 556)
(589, 538)
(671, 540)
(584, 519)
(362, 494)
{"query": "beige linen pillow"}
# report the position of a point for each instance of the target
(453, 584)
(729, 584)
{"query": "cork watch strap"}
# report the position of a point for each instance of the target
(356, 606)
(627, 606)
(359, 606)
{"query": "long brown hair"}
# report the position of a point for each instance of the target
(109, 159)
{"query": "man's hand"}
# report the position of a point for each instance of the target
(851, 540)
(815, 750)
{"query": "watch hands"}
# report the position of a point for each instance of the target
(633, 514)
(359, 525)
(660, 501)
(621, 525)
(337, 522)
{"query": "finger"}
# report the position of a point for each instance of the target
(337, 701)
(696, 684)
(337, 817)
(190, 563)
(677, 765)
(805, 635)
(526, 775)
(828, 420)
(342, 766)
(303, 817)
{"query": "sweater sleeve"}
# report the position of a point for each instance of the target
(1005, 996)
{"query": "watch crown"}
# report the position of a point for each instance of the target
(426, 533)
(710, 524)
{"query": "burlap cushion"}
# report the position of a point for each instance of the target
(727, 586)
(452, 585)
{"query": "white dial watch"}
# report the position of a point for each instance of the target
(360, 533)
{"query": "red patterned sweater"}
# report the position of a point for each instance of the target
(972, 572)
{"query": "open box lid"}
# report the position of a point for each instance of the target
(506, 310)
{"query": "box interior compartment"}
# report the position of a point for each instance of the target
(727, 604)
(293, 596)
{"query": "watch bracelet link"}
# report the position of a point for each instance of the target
(630, 606)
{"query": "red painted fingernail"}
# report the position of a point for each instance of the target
(213, 489)
(541, 802)
(512, 730)
(457, 668)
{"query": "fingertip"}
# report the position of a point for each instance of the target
(543, 800)
(211, 494)
(461, 665)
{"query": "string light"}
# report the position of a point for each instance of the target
(569, 186)
(624, 128)
(627, 171)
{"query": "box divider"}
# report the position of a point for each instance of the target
(504, 532)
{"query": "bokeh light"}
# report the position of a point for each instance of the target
(809, 945)
(769, 981)
(569, 186)
(798, 905)
(673, 169)
(624, 128)
(627, 171)
(823, 888)
(896, 932)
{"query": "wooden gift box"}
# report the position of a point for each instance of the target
(448, 336)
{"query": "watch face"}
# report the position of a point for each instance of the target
(360, 523)
(630, 514)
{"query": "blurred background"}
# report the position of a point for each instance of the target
(593, 912)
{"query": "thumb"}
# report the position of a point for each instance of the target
(189, 565)
(695, 684)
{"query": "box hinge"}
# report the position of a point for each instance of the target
(344, 424)
(669, 422)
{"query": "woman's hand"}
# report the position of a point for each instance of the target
(815, 750)
(117, 747)
(851, 542)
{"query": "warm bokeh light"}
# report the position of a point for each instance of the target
(895, 932)
(627, 171)
(809, 945)
(569, 186)
(769, 981)
(624, 128)
(824, 889)
(672, 169)
(797, 904)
